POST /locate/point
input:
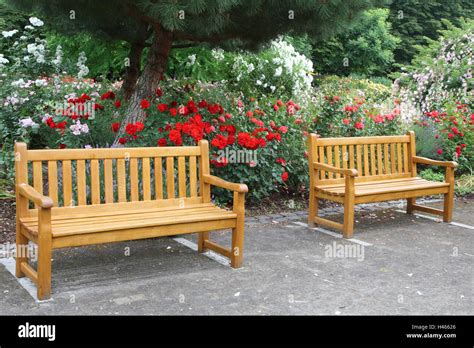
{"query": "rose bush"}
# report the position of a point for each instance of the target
(453, 127)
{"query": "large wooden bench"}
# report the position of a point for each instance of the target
(93, 196)
(371, 169)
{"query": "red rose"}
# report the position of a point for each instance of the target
(359, 125)
(162, 142)
(144, 104)
(283, 129)
(284, 176)
(115, 127)
(346, 121)
(122, 141)
(118, 104)
(276, 108)
(219, 141)
(440, 152)
(173, 112)
(62, 146)
(159, 92)
(162, 107)
(139, 126)
(175, 137)
(281, 161)
(107, 95)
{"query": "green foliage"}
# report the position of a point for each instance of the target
(431, 175)
(452, 127)
(104, 59)
(465, 185)
(427, 144)
(414, 20)
(351, 87)
(367, 48)
(247, 23)
(440, 73)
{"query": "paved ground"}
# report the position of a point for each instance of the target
(398, 264)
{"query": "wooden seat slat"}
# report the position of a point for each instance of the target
(363, 189)
(137, 222)
(124, 216)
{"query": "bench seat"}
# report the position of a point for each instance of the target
(73, 224)
(369, 188)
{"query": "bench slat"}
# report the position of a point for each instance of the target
(81, 182)
(182, 176)
(158, 178)
(170, 190)
(108, 181)
(53, 181)
(112, 153)
(146, 179)
(364, 140)
(337, 160)
(192, 176)
(120, 217)
(121, 184)
(95, 182)
(67, 184)
(134, 194)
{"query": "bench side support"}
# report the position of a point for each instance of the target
(313, 200)
(411, 167)
(238, 232)
(349, 202)
(449, 197)
(44, 253)
(204, 187)
(21, 177)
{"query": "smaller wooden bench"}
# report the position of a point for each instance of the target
(371, 169)
(99, 196)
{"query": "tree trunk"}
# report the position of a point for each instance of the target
(155, 67)
(133, 70)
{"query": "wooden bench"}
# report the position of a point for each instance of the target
(93, 196)
(371, 169)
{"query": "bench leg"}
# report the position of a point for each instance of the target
(449, 197)
(448, 206)
(313, 208)
(237, 255)
(44, 254)
(349, 204)
(21, 248)
(202, 237)
(348, 228)
(237, 251)
(410, 202)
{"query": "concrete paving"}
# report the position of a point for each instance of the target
(399, 264)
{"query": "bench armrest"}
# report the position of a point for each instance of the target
(29, 192)
(424, 160)
(328, 168)
(214, 180)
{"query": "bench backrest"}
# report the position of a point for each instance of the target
(94, 178)
(375, 158)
